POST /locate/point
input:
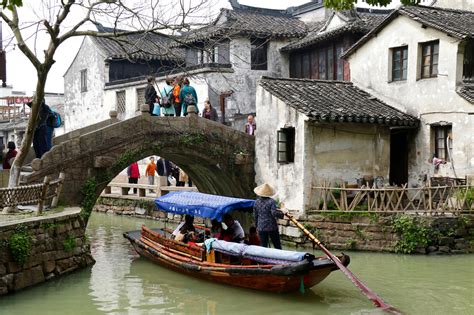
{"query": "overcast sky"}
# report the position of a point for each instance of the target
(22, 76)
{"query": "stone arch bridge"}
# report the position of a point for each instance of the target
(218, 158)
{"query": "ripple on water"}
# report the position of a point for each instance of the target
(122, 283)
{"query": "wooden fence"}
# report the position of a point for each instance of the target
(39, 194)
(435, 199)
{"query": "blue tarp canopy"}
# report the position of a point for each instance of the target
(201, 205)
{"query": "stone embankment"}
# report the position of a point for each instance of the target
(347, 231)
(39, 249)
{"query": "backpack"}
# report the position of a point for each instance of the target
(189, 99)
(54, 120)
(167, 100)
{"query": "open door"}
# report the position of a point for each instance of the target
(398, 157)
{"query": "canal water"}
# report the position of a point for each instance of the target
(122, 283)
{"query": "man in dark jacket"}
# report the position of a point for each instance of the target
(43, 136)
(163, 168)
(151, 97)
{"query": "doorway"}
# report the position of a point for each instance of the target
(398, 157)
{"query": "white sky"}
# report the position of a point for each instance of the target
(22, 75)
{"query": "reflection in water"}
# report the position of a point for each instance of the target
(122, 283)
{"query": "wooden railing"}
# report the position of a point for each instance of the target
(435, 199)
(39, 194)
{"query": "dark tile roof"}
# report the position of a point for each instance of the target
(456, 23)
(335, 101)
(146, 46)
(467, 92)
(246, 22)
(362, 25)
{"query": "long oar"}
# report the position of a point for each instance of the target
(363, 288)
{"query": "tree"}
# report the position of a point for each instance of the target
(349, 4)
(60, 24)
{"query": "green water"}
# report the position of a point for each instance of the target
(122, 283)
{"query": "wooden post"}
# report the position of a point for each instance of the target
(43, 196)
(59, 188)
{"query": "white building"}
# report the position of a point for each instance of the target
(318, 131)
(421, 60)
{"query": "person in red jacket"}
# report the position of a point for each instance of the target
(10, 156)
(133, 175)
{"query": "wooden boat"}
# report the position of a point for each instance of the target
(266, 271)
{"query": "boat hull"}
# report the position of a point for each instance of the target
(278, 279)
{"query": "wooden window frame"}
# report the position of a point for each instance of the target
(289, 143)
(430, 44)
(256, 45)
(403, 70)
(84, 80)
(447, 129)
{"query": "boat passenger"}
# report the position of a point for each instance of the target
(216, 229)
(236, 232)
(253, 237)
(184, 228)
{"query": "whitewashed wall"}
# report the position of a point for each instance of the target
(433, 100)
(85, 108)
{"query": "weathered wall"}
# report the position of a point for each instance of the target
(85, 108)
(290, 180)
(58, 246)
(345, 152)
(322, 152)
(433, 100)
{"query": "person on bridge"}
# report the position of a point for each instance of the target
(43, 136)
(188, 97)
(164, 169)
(176, 99)
(167, 104)
(9, 156)
(151, 97)
(265, 215)
(209, 112)
(150, 172)
(133, 175)
(250, 126)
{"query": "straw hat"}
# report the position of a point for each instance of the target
(265, 190)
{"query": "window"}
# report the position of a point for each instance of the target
(258, 54)
(84, 80)
(140, 98)
(429, 59)
(468, 62)
(442, 141)
(286, 145)
(120, 102)
(399, 63)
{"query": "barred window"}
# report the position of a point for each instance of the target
(140, 98)
(286, 145)
(120, 102)
(442, 141)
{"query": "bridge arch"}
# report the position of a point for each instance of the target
(218, 158)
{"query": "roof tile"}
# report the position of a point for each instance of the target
(335, 101)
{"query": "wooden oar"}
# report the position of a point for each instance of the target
(378, 302)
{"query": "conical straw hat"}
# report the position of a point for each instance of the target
(265, 190)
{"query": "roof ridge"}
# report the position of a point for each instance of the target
(435, 8)
(305, 80)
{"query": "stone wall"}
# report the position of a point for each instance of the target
(57, 246)
(372, 232)
(365, 232)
